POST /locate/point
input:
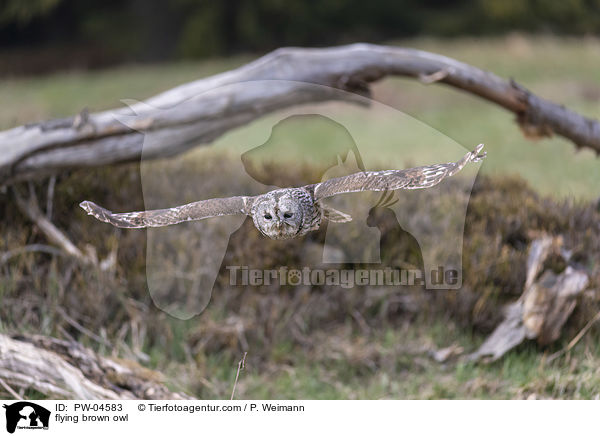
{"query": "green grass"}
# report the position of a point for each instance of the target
(405, 374)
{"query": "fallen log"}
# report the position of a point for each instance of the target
(199, 112)
(545, 305)
(65, 369)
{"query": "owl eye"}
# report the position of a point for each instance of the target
(268, 216)
(287, 215)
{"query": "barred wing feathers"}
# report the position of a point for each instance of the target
(198, 210)
(388, 180)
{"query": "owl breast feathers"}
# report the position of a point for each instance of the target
(289, 212)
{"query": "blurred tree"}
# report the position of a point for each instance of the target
(18, 11)
(138, 30)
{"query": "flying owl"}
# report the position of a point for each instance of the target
(290, 212)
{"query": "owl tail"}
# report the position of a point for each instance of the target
(336, 216)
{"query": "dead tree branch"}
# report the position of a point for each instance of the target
(198, 112)
(547, 301)
(10, 390)
(31, 248)
(65, 369)
(30, 208)
(241, 366)
(575, 340)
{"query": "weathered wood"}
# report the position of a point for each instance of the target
(543, 308)
(64, 369)
(31, 209)
(198, 112)
(507, 335)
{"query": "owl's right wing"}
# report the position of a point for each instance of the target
(389, 180)
(198, 210)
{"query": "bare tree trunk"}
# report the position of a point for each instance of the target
(198, 112)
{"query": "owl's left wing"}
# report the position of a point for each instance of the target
(198, 210)
(389, 180)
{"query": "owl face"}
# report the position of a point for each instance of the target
(278, 216)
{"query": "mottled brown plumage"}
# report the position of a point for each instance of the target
(289, 212)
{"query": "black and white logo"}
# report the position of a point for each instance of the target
(26, 415)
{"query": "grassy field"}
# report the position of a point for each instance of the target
(410, 124)
(393, 365)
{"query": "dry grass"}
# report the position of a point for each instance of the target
(325, 342)
(330, 332)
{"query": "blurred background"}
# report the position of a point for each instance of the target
(46, 35)
(60, 56)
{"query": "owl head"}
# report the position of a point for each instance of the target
(278, 214)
